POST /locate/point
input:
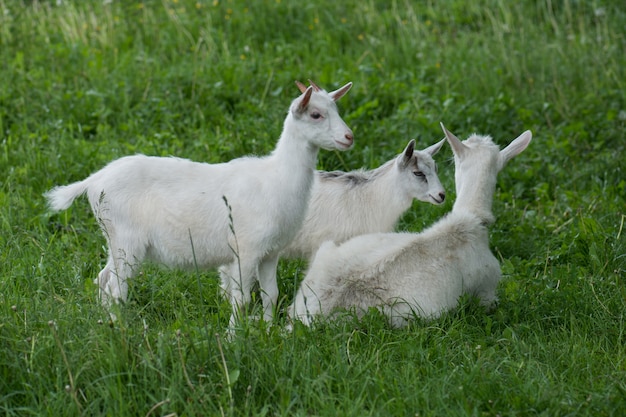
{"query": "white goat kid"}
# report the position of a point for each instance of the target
(348, 204)
(407, 275)
(172, 210)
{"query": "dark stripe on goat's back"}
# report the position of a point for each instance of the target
(350, 178)
(354, 178)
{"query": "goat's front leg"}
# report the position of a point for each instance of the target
(269, 286)
(489, 300)
(487, 296)
(306, 304)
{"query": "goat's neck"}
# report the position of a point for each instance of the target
(383, 188)
(295, 156)
(474, 193)
(377, 197)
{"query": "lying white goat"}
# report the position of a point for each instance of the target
(407, 274)
(173, 211)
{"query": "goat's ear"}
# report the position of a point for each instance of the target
(433, 149)
(407, 154)
(305, 100)
(316, 88)
(301, 86)
(455, 143)
(515, 148)
(337, 94)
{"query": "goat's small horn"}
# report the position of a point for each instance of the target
(301, 86)
(315, 86)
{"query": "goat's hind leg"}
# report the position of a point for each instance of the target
(125, 251)
(242, 275)
(225, 273)
(113, 279)
(103, 282)
(113, 282)
(110, 288)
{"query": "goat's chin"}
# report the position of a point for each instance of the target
(435, 201)
(342, 145)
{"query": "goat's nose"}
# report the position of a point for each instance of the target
(442, 195)
(349, 137)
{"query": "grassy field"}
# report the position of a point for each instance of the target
(85, 82)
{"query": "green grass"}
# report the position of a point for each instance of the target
(85, 82)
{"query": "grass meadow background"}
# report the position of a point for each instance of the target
(85, 82)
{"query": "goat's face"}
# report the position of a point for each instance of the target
(418, 174)
(318, 118)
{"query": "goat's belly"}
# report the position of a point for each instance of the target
(188, 252)
(188, 258)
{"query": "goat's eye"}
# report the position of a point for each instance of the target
(316, 115)
(419, 174)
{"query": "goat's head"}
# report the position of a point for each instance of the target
(483, 146)
(321, 123)
(477, 161)
(418, 173)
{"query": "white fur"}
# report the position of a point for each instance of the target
(406, 274)
(344, 205)
(173, 211)
(348, 204)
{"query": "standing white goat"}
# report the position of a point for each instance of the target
(173, 210)
(406, 274)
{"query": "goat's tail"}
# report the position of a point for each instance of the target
(61, 197)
